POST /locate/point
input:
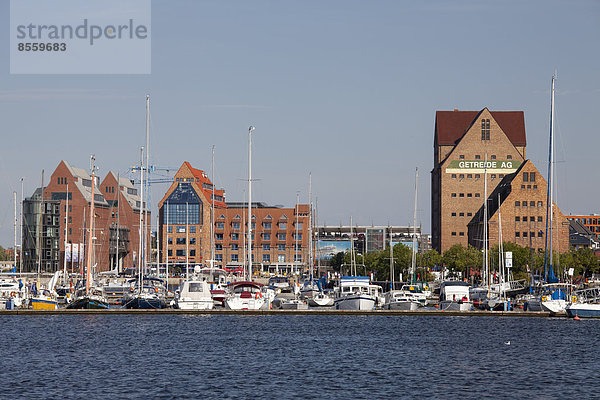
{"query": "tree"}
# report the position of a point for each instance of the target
(459, 259)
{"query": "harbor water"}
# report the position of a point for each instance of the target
(296, 356)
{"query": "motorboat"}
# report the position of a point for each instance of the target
(193, 294)
(321, 299)
(294, 304)
(355, 293)
(245, 295)
(11, 293)
(454, 296)
(583, 310)
(403, 300)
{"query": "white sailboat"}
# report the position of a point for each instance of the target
(247, 295)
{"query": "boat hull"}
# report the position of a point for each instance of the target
(86, 303)
(446, 305)
(195, 304)
(355, 303)
(145, 304)
(403, 306)
(321, 301)
(554, 306)
(42, 304)
(236, 303)
(583, 310)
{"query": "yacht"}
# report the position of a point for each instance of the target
(454, 296)
(245, 295)
(11, 293)
(147, 293)
(194, 294)
(355, 293)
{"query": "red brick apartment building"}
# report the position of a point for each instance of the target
(45, 229)
(185, 220)
(463, 140)
(591, 221)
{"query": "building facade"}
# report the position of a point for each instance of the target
(186, 214)
(518, 205)
(73, 186)
(590, 221)
(466, 145)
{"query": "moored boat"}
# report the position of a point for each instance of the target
(583, 310)
(454, 296)
(245, 295)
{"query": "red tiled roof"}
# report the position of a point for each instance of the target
(452, 125)
(204, 179)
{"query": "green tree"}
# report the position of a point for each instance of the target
(460, 259)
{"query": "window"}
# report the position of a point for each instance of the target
(180, 241)
(298, 236)
(218, 236)
(181, 229)
(235, 236)
(453, 194)
(525, 176)
(477, 194)
(485, 129)
(469, 214)
(461, 176)
(266, 236)
(235, 246)
(220, 225)
(453, 233)
(462, 156)
(517, 234)
(454, 214)
(219, 257)
(266, 247)
(477, 157)
(532, 177)
(493, 157)
(524, 234)
(509, 157)
(298, 247)
(453, 176)
(192, 240)
(532, 204)
(170, 240)
(253, 225)
(540, 234)
(193, 253)
(299, 225)
(469, 194)
(532, 234)
(182, 213)
(219, 246)
(461, 234)
(234, 257)
(524, 219)
(517, 219)
(283, 225)
(461, 195)
(266, 225)
(501, 176)
(477, 176)
(235, 225)
(534, 187)
(281, 247)
(281, 258)
(266, 258)
(170, 253)
(540, 219)
(522, 186)
(493, 176)
(180, 252)
(193, 229)
(524, 204)
(281, 236)
(469, 176)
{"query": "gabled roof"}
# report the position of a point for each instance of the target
(132, 199)
(85, 190)
(203, 179)
(450, 126)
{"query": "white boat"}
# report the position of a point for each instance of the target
(454, 296)
(11, 294)
(584, 310)
(245, 295)
(321, 299)
(294, 304)
(194, 294)
(355, 293)
(401, 300)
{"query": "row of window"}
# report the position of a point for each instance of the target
(266, 225)
(468, 195)
(181, 229)
(477, 176)
(531, 219)
(528, 187)
(478, 157)
(530, 234)
(182, 240)
(462, 214)
(459, 234)
(531, 203)
(265, 236)
(265, 257)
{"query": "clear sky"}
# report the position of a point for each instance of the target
(344, 89)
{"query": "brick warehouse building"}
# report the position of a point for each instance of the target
(462, 140)
(110, 205)
(522, 210)
(185, 217)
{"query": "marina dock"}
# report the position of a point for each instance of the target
(121, 311)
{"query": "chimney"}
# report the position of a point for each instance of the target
(456, 109)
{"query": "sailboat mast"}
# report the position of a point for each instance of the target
(167, 245)
(66, 233)
(212, 213)
(141, 225)
(39, 235)
(500, 251)
(310, 211)
(91, 234)
(391, 260)
(15, 247)
(296, 235)
(486, 266)
(118, 222)
(21, 232)
(352, 265)
(187, 251)
(548, 272)
(147, 183)
(414, 238)
(250, 129)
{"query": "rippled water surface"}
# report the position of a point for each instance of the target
(308, 357)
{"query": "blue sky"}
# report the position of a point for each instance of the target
(344, 89)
